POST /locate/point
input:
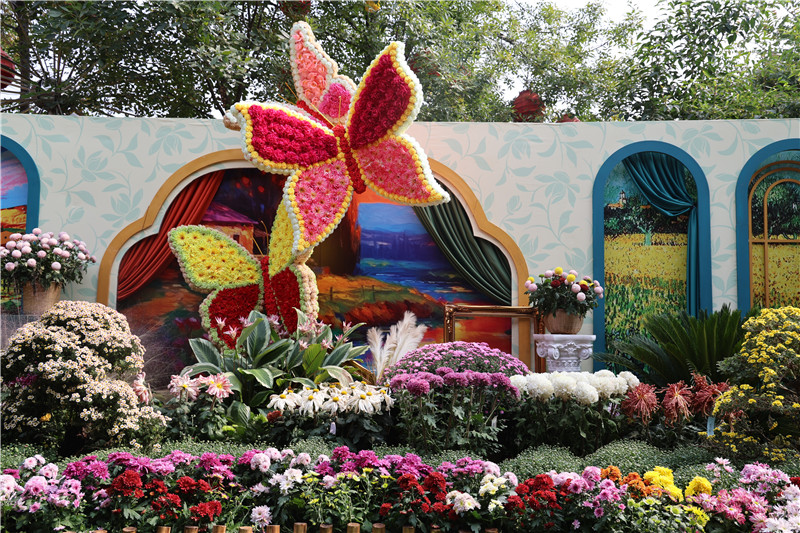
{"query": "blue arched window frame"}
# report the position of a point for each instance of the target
(743, 217)
(598, 199)
(34, 183)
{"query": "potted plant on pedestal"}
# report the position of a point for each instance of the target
(563, 299)
(38, 265)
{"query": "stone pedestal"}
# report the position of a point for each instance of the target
(564, 353)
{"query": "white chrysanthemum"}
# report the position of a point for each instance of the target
(563, 385)
(462, 502)
(605, 373)
(364, 404)
(631, 378)
(585, 377)
(336, 403)
(519, 381)
(585, 394)
(606, 386)
(311, 401)
(622, 386)
(539, 387)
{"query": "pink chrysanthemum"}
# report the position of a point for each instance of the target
(219, 386)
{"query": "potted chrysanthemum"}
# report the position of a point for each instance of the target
(39, 264)
(563, 299)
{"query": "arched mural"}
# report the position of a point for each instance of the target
(381, 263)
(19, 198)
(641, 247)
(768, 232)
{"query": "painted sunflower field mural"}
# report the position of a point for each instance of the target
(645, 258)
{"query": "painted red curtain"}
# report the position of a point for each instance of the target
(145, 259)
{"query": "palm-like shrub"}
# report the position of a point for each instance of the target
(674, 346)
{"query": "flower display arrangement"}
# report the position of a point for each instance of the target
(43, 258)
(339, 139)
(355, 415)
(759, 413)
(66, 387)
(565, 291)
(449, 395)
(266, 486)
(556, 407)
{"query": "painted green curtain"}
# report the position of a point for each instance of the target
(660, 178)
(478, 260)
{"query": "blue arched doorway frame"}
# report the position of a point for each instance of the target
(743, 216)
(34, 183)
(598, 246)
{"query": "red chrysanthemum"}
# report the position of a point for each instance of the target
(677, 403)
(705, 394)
(641, 402)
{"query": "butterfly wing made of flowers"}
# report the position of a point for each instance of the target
(385, 104)
(213, 262)
(320, 88)
(315, 200)
(281, 138)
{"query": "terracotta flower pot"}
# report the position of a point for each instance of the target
(563, 323)
(36, 302)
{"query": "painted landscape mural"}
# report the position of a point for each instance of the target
(379, 263)
(14, 210)
(775, 243)
(645, 258)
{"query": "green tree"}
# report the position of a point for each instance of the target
(715, 59)
(573, 59)
(192, 59)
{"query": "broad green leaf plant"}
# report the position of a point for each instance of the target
(264, 362)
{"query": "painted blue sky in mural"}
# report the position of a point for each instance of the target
(389, 217)
(15, 181)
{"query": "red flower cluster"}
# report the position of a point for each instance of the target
(705, 394)
(207, 510)
(421, 498)
(353, 170)
(679, 402)
(535, 502)
(286, 285)
(270, 304)
(231, 305)
(282, 138)
(188, 485)
(128, 483)
(167, 505)
(641, 402)
(384, 98)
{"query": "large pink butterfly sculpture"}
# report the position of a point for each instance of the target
(339, 138)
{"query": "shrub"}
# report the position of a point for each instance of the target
(761, 412)
(452, 409)
(687, 455)
(627, 455)
(672, 346)
(684, 474)
(63, 382)
(542, 459)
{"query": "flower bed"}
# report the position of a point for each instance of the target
(265, 486)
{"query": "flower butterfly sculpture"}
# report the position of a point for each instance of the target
(338, 139)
